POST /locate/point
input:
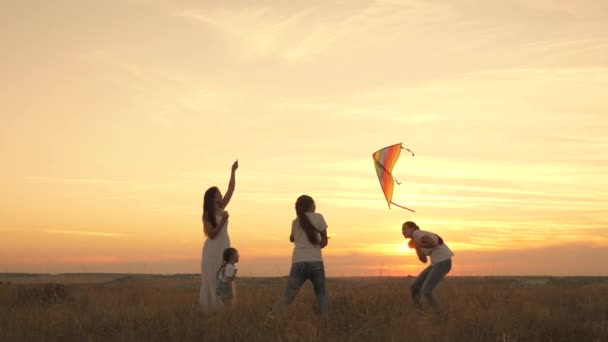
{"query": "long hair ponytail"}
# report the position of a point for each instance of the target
(304, 204)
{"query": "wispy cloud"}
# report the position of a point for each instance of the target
(131, 73)
(308, 32)
(200, 99)
(73, 180)
(352, 108)
(164, 92)
(572, 8)
(326, 29)
(110, 259)
(192, 100)
(499, 93)
(85, 233)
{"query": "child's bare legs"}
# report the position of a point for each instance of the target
(227, 301)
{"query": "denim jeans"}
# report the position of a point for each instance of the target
(427, 280)
(222, 290)
(299, 273)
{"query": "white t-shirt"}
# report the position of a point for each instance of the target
(440, 253)
(229, 272)
(304, 250)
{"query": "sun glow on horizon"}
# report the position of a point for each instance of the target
(109, 145)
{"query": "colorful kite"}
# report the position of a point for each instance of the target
(385, 159)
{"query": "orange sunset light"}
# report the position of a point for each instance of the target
(116, 119)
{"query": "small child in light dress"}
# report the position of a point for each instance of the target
(226, 274)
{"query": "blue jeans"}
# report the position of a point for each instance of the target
(222, 290)
(299, 273)
(427, 280)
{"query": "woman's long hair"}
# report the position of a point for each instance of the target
(304, 204)
(209, 205)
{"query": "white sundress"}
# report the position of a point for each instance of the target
(210, 263)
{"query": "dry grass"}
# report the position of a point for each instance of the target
(164, 308)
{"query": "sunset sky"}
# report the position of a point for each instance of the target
(116, 116)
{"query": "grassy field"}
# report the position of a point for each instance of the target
(106, 307)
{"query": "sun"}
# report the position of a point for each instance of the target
(402, 248)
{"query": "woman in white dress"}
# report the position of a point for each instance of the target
(215, 224)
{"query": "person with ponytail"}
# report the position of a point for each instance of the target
(215, 227)
(226, 275)
(309, 235)
(427, 244)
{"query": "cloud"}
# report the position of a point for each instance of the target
(351, 109)
(568, 7)
(164, 92)
(73, 180)
(201, 99)
(119, 261)
(306, 33)
(85, 233)
(493, 105)
(568, 259)
(413, 31)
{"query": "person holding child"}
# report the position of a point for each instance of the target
(427, 244)
(309, 235)
(215, 224)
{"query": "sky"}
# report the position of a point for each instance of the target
(118, 115)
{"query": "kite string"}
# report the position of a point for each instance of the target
(395, 178)
(399, 183)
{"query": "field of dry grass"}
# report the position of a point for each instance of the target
(164, 308)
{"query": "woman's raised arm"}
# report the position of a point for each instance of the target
(231, 185)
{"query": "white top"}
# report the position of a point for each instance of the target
(440, 253)
(229, 272)
(304, 250)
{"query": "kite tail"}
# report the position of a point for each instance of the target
(400, 206)
(407, 149)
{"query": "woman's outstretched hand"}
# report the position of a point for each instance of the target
(235, 165)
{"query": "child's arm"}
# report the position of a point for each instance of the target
(293, 227)
(421, 255)
(321, 227)
(323, 241)
(422, 244)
